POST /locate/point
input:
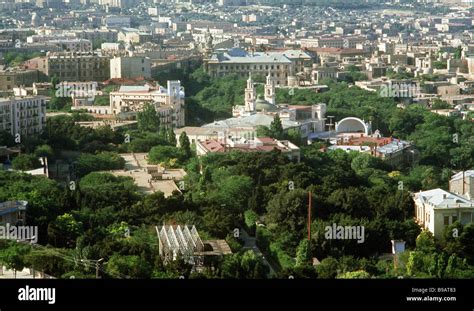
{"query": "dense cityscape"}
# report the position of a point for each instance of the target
(236, 139)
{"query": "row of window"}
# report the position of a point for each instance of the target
(254, 67)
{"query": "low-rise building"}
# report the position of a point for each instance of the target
(229, 143)
(13, 212)
(436, 209)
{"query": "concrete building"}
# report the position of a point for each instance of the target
(14, 77)
(23, 115)
(436, 209)
(130, 67)
(13, 212)
(462, 184)
(72, 66)
(169, 102)
(280, 65)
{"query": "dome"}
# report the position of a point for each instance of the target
(263, 105)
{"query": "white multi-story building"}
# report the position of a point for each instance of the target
(23, 115)
(436, 209)
(168, 102)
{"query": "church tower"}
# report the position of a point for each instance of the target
(250, 95)
(270, 90)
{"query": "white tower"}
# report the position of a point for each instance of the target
(250, 95)
(270, 90)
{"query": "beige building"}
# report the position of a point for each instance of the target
(130, 67)
(436, 209)
(72, 66)
(462, 184)
(281, 66)
(14, 77)
(169, 102)
(23, 115)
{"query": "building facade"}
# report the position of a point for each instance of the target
(130, 67)
(17, 77)
(168, 102)
(281, 66)
(436, 209)
(72, 66)
(25, 116)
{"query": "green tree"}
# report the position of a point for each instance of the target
(25, 162)
(276, 127)
(44, 151)
(425, 242)
(148, 119)
(13, 257)
(303, 253)
(185, 145)
(328, 268)
(120, 266)
(359, 274)
(171, 137)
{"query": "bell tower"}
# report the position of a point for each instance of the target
(270, 90)
(250, 95)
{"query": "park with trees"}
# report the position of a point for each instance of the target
(105, 217)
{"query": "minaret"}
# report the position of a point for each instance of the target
(270, 90)
(250, 94)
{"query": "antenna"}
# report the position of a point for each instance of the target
(330, 124)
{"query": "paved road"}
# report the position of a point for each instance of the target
(251, 243)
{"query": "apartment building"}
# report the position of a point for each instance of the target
(168, 102)
(23, 115)
(76, 66)
(13, 77)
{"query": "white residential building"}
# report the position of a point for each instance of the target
(436, 209)
(23, 115)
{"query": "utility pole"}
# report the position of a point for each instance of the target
(309, 216)
(97, 265)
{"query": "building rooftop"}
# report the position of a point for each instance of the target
(238, 55)
(469, 173)
(439, 198)
(251, 121)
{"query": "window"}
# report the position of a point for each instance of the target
(455, 218)
(446, 220)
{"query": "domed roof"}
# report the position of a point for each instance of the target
(263, 105)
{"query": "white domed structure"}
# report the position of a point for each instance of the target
(353, 125)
